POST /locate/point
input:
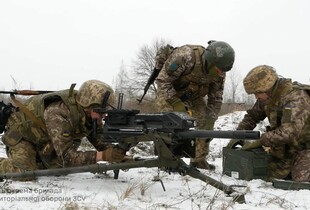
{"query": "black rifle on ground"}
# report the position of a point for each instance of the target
(173, 135)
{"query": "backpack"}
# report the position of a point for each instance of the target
(300, 86)
(5, 112)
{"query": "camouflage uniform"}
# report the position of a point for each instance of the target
(183, 76)
(288, 111)
(31, 146)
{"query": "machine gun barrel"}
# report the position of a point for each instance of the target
(239, 134)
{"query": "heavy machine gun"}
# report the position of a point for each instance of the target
(175, 129)
(173, 135)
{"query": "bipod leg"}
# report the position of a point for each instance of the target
(116, 173)
(157, 179)
(195, 173)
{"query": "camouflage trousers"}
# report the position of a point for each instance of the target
(301, 166)
(21, 157)
(279, 168)
(298, 168)
(198, 110)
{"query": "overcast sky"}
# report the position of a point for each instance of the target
(51, 44)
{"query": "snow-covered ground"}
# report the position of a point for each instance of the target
(137, 188)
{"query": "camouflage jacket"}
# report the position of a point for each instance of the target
(184, 74)
(65, 124)
(288, 112)
(65, 137)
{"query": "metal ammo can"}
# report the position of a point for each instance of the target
(245, 165)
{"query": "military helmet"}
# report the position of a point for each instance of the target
(220, 54)
(92, 92)
(260, 79)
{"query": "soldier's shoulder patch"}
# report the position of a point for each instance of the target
(173, 67)
(287, 114)
(66, 134)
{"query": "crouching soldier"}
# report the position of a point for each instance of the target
(286, 104)
(46, 130)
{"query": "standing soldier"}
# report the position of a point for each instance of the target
(286, 104)
(46, 131)
(189, 74)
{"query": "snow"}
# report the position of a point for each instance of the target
(140, 189)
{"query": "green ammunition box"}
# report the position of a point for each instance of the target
(245, 165)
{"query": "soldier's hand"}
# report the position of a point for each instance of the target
(234, 142)
(113, 154)
(252, 145)
(265, 140)
(178, 106)
(210, 123)
(267, 149)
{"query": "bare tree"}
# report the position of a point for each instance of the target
(121, 81)
(132, 81)
(144, 64)
(122, 84)
(233, 87)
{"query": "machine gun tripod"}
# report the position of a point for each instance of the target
(173, 135)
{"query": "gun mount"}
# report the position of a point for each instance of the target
(173, 135)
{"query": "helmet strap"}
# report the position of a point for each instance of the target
(273, 89)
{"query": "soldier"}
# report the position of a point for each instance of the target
(287, 107)
(189, 74)
(47, 130)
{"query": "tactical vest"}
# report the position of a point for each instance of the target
(300, 86)
(305, 139)
(275, 112)
(34, 133)
(194, 81)
(273, 109)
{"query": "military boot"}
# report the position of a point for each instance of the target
(202, 150)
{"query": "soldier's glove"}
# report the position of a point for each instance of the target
(113, 154)
(252, 145)
(210, 123)
(178, 105)
(234, 142)
(265, 140)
